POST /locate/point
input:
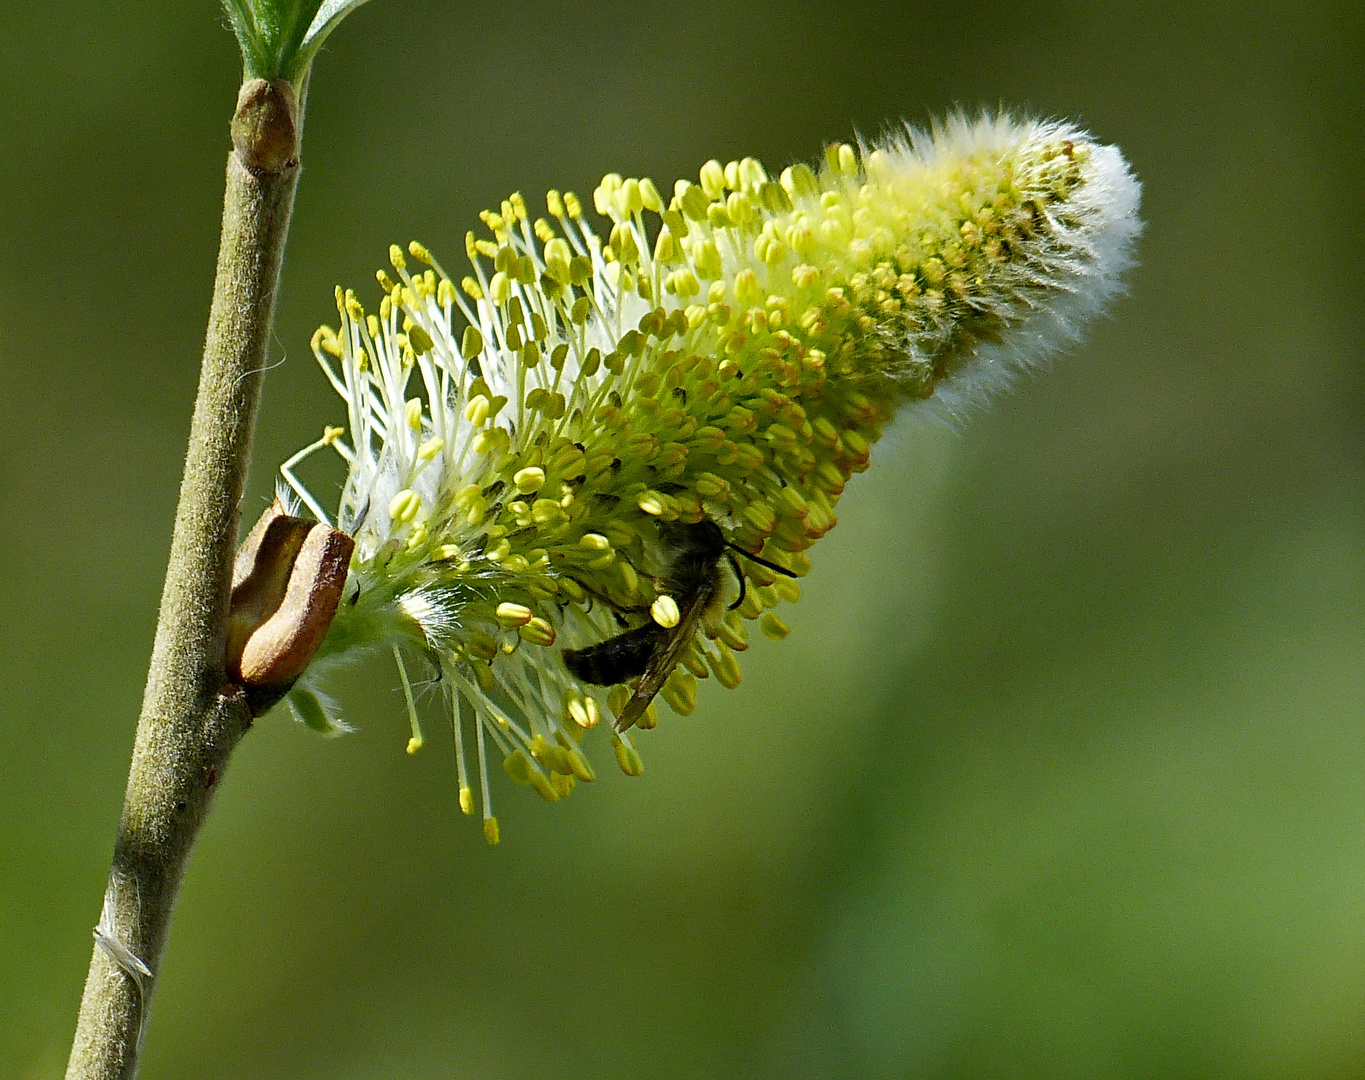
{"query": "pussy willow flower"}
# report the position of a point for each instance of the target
(521, 435)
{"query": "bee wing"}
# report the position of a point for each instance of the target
(665, 658)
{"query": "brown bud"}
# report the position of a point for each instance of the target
(287, 582)
(265, 126)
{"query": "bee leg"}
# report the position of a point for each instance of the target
(606, 600)
(762, 562)
(359, 519)
(739, 573)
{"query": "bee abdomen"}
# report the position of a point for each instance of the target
(617, 659)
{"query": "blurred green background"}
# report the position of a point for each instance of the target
(1062, 770)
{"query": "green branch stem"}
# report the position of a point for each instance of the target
(192, 719)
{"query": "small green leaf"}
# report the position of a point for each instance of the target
(279, 38)
(326, 19)
(309, 710)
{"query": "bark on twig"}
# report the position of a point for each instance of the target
(192, 718)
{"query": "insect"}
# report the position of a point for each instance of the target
(650, 651)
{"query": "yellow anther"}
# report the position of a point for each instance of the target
(707, 257)
(623, 244)
(680, 691)
(518, 205)
(878, 166)
(773, 627)
(747, 289)
(583, 712)
(538, 632)
(650, 197)
(542, 787)
(602, 194)
(490, 831)
(595, 542)
(482, 648)
(557, 260)
(331, 434)
(768, 249)
(430, 448)
(446, 552)
(752, 174)
(834, 157)
(760, 515)
(856, 444)
(682, 284)
(325, 338)
(800, 237)
(544, 511)
(691, 200)
(554, 203)
(629, 577)
(500, 288)
(404, 506)
(572, 589)
(725, 666)
(471, 344)
(547, 753)
(665, 612)
(800, 182)
(740, 209)
(396, 257)
(518, 766)
(732, 175)
(774, 197)
(805, 276)
(572, 205)
(652, 503)
(627, 756)
(712, 179)
(414, 744)
(664, 248)
(791, 502)
(529, 479)
(412, 413)
(476, 410)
